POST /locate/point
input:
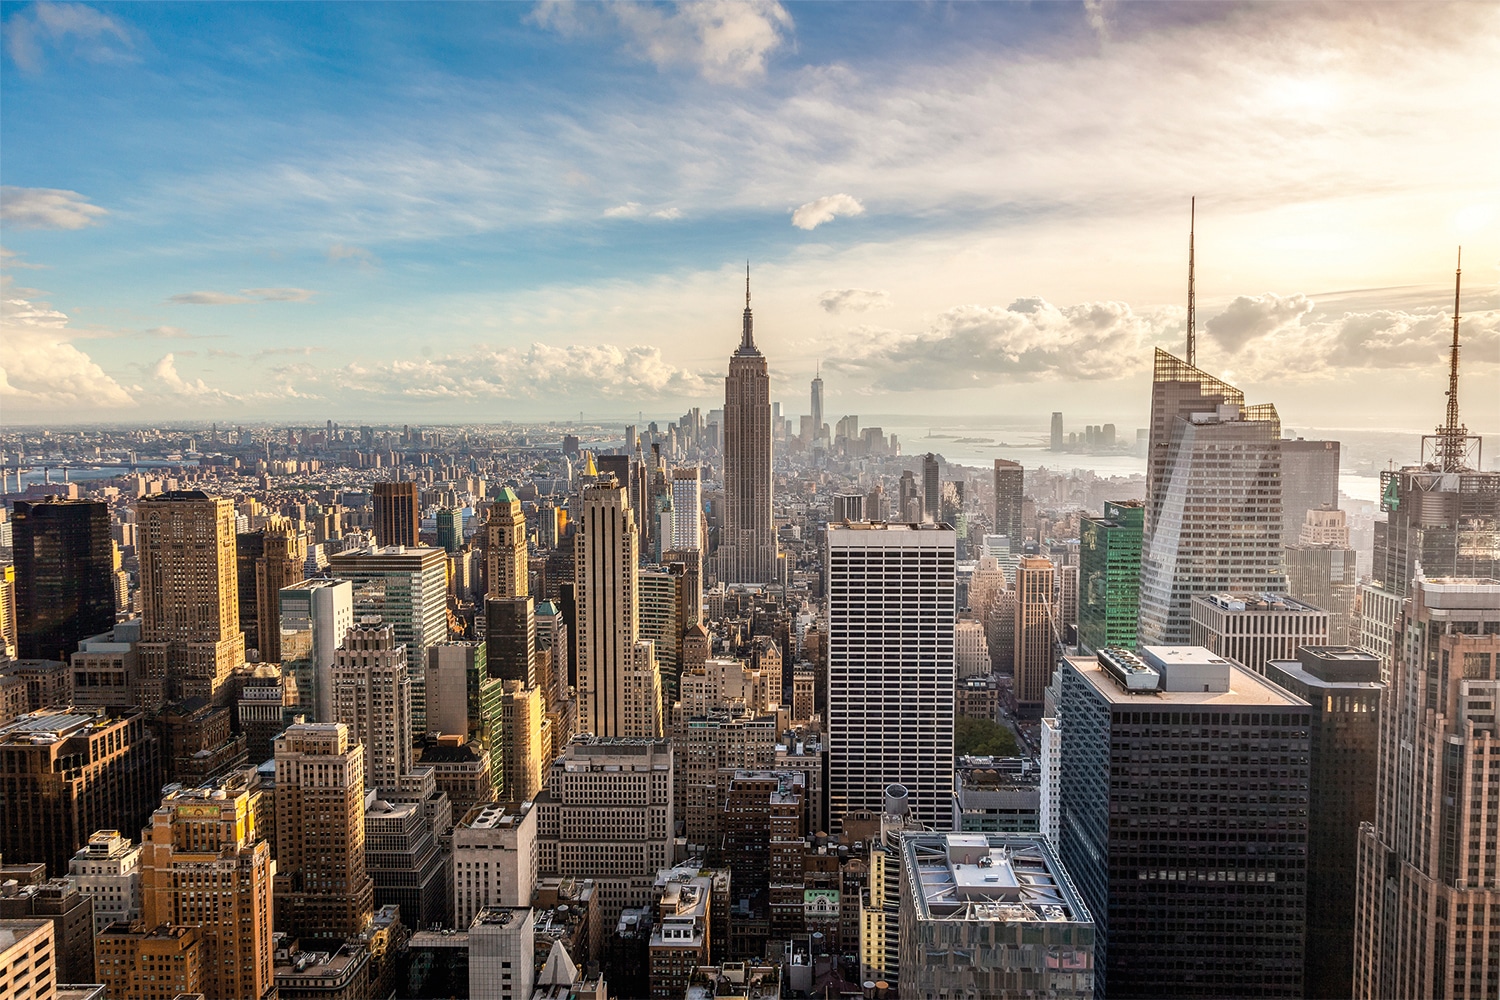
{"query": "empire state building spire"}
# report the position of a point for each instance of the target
(747, 335)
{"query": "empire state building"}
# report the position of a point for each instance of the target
(747, 547)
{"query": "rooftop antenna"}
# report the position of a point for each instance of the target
(1452, 433)
(1191, 316)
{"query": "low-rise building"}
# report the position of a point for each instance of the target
(28, 960)
(997, 795)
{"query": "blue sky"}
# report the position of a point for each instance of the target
(475, 212)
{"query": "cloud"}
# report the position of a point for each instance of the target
(246, 295)
(47, 208)
(10, 259)
(1250, 316)
(629, 210)
(826, 209)
(341, 252)
(1093, 10)
(41, 372)
(841, 300)
(73, 28)
(669, 214)
(726, 41)
(165, 379)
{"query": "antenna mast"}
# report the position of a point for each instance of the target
(1191, 317)
(1452, 434)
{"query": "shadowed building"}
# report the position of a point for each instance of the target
(64, 575)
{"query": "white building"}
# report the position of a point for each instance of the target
(891, 667)
(605, 576)
(315, 615)
(108, 870)
(687, 510)
(1051, 805)
(971, 649)
(501, 961)
(494, 859)
(1253, 629)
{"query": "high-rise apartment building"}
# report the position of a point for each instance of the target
(687, 510)
(398, 515)
(1309, 481)
(190, 629)
(64, 575)
(1342, 684)
(747, 540)
(890, 667)
(204, 864)
(1253, 629)
(606, 814)
(1427, 923)
(315, 617)
(1010, 484)
(615, 671)
(991, 915)
(408, 589)
(494, 858)
(282, 563)
(372, 697)
(1037, 634)
(1213, 498)
(322, 888)
(1109, 576)
(1195, 875)
(69, 773)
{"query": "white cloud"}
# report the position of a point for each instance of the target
(825, 209)
(69, 27)
(340, 252)
(669, 214)
(40, 372)
(47, 208)
(629, 210)
(166, 380)
(841, 300)
(1250, 316)
(726, 41)
(245, 295)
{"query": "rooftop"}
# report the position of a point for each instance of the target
(1009, 878)
(1246, 689)
(1279, 603)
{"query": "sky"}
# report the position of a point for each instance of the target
(485, 213)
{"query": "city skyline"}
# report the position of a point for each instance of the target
(477, 216)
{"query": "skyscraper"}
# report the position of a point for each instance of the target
(1057, 431)
(315, 617)
(1321, 570)
(372, 697)
(190, 628)
(687, 510)
(932, 487)
(1213, 498)
(1309, 480)
(450, 529)
(1109, 576)
(64, 576)
(282, 563)
(613, 668)
(1037, 634)
(1426, 922)
(398, 518)
(890, 668)
(505, 547)
(1196, 891)
(322, 888)
(747, 542)
(817, 400)
(1009, 489)
(1252, 629)
(205, 864)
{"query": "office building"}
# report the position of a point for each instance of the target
(322, 888)
(190, 630)
(1309, 481)
(108, 870)
(372, 697)
(69, 773)
(616, 673)
(1321, 570)
(1343, 687)
(1010, 483)
(28, 960)
(815, 412)
(1426, 922)
(408, 867)
(494, 858)
(64, 575)
(1379, 614)
(932, 487)
(525, 740)
(398, 516)
(662, 610)
(1056, 441)
(72, 915)
(267, 704)
(1195, 875)
(282, 564)
(1253, 629)
(502, 959)
(606, 814)
(204, 864)
(1037, 635)
(971, 649)
(997, 795)
(464, 698)
(1213, 498)
(315, 616)
(847, 507)
(162, 963)
(890, 667)
(1109, 576)
(991, 915)
(450, 529)
(107, 669)
(747, 540)
(408, 590)
(505, 552)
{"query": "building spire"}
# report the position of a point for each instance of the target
(1192, 338)
(747, 336)
(1452, 434)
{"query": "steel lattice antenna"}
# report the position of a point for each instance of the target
(1452, 434)
(1192, 339)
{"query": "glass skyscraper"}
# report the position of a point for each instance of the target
(64, 576)
(1109, 584)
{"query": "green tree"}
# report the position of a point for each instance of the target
(983, 738)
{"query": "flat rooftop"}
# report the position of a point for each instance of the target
(1246, 688)
(1279, 603)
(1010, 878)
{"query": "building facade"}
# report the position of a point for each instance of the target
(1037, 634)
(315, 617)
(1253, 629)
(1109, 576)
(372, 697)
(747, 540)
(64, 575)
(1010, 487)
(398, 515)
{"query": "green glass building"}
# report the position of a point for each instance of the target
(1109, 576)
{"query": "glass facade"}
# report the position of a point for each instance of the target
(1109, 585)
(64, 576)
